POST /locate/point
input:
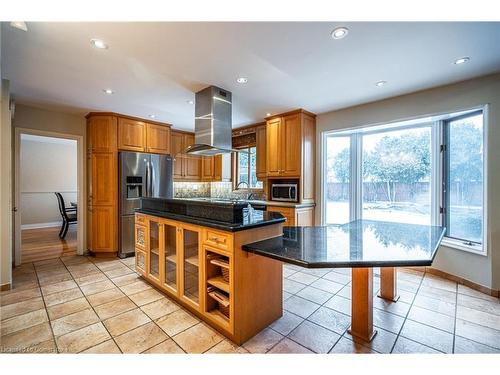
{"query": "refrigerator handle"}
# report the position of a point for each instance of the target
(147, 180)
(152, 178)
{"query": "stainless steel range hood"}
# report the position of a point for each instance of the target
(213, 123)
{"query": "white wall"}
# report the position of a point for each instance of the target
(484, 270)
(47, 165)
(38, 120)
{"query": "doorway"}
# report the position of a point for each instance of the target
(47, 163)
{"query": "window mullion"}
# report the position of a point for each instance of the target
(437, 166)
(356, 186)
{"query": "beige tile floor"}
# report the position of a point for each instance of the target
(86, 305)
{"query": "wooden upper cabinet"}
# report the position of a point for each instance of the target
(222, 167)
(104, 185)
(192, 164)
(291, 138)
(131, 135)
(273, 147)
(158, 139)
(260, 137)
(185, 167)
(290, 150)
(176, 146)
(101, 131)
(207, 170)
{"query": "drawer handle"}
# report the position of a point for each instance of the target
(215, 239)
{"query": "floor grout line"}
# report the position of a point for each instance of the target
(152, 320)
(455, 321)
(340, 336)
(93, 309)
(408, 313)
(46, 311)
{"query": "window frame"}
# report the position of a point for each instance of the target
(438, 167)
(459, 243)
(236, 174)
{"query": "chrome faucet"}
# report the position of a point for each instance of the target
(242, 182)
(249, 193)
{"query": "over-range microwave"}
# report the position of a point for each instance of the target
(284, 192)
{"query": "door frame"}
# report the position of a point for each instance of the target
(81, 213)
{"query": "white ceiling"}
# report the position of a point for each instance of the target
(155, 68)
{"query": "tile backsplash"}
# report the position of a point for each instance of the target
(210, 189)
(191, 189)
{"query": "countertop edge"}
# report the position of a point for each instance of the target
(210, 223)
(346, 264)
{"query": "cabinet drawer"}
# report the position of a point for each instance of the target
(287, 212)
(140, 219)
(218, 239)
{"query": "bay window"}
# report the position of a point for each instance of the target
(425, 171)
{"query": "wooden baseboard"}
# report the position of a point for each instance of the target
(459, 280)
(5, 287)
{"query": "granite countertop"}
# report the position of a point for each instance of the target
(281, 204)
(229, 201)
(259, 219)
(360, 243)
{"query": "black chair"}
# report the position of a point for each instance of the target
(69, 215)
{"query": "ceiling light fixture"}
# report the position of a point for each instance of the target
(152, 116)
(462, 60)
(108, 91)
(190, 102)
(339, 32)
(268, 114)
(242, 80)
(381, 83)
(21, 25)
(98, 43)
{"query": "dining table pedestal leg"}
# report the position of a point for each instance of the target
(362, 304)
(388, 284)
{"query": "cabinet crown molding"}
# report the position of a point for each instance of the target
(91, 114)
(300, 110)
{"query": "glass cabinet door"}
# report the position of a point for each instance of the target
(170, 240)
(154, 249)
(191, 275)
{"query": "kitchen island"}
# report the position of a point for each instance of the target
(360, 245)
(192, 251)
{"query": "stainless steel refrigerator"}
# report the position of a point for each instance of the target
(141, 175)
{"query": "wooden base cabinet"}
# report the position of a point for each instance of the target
(207, 272)
(300, 217)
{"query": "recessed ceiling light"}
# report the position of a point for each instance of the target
(381, 83)
(190, 102)
(242, 80)
(462, 60)
(339, 32)
(152, 116)
(98, 43)
(108, 91)
(21, 25)
(268, 114)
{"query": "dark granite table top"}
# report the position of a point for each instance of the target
(360, 243)
(258, 219)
